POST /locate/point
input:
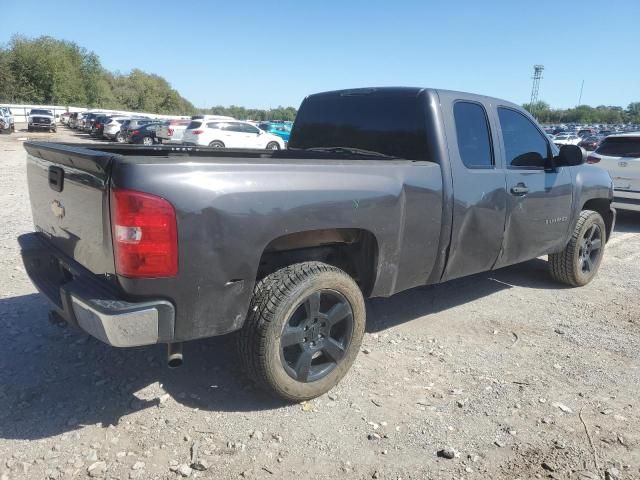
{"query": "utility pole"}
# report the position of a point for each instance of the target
(580, 97)
(537, 76)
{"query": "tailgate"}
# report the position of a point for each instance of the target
(69, 193)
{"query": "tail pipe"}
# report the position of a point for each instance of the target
(174, 355)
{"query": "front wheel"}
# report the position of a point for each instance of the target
(273, 146)
(216, 144)
(303, 330)
(119, 137)
(148, 141)
(578, 263)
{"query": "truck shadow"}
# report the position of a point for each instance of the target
(429, 300)
(55, 380)
(627, 222)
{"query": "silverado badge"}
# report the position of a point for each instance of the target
(57, 209)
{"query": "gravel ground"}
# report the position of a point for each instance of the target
(508, 373)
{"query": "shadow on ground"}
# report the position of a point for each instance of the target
(54, 380)
(627, 222)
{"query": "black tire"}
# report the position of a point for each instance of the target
(119, 138)
(277, 299)
(578, 263)
(216, 144)
(29, 128)
(273, 146)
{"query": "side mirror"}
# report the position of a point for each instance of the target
(570, 156)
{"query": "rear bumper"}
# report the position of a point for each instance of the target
(91, 303)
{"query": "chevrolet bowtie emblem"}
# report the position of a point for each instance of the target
(57, 209)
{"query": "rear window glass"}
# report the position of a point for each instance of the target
(391, 123)
(620, 147)
(194, 124)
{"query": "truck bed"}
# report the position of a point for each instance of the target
(232, 206)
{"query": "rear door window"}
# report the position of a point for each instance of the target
(620, 147)
(472, 130)
(524, 145)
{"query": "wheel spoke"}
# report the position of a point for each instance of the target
(303, 365)
(292, 336)
(596, 244)
(312, 305)
(591, 232)
(589, 264)
(338, 312)
(333, 350)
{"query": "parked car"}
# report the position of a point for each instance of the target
(620, 156)
(172, 131)
(566, 139)
(380, 191)
(90, 118)
(145, 134)
(586, 132)
(230, 134)
(130, 125)
(7, 121)
(591, 143)
(74, 118)
(111, 130)
(97, 128)
(280, 129)
(40, 118)
(64, 118)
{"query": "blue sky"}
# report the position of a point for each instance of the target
(270, 53)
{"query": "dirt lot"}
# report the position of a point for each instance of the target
(518, 376)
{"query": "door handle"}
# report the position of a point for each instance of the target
(520, 189)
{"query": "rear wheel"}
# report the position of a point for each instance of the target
(578, 263)
(147, 141)
(216, 144)
(273, 146)
(303, 331)
(119, 137)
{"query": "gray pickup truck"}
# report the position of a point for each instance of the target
(380, 190)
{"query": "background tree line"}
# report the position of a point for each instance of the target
(49, 71)
(279, 113)
(585, 114)
(45, 70)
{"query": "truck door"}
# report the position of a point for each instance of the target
(539, 199)
(479, 196)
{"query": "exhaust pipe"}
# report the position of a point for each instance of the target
(174, 355)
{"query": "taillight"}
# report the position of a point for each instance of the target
(145, 237)
(169, 131)
(197, 132)
(593, 159)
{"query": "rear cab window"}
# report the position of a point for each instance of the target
(390, 123)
